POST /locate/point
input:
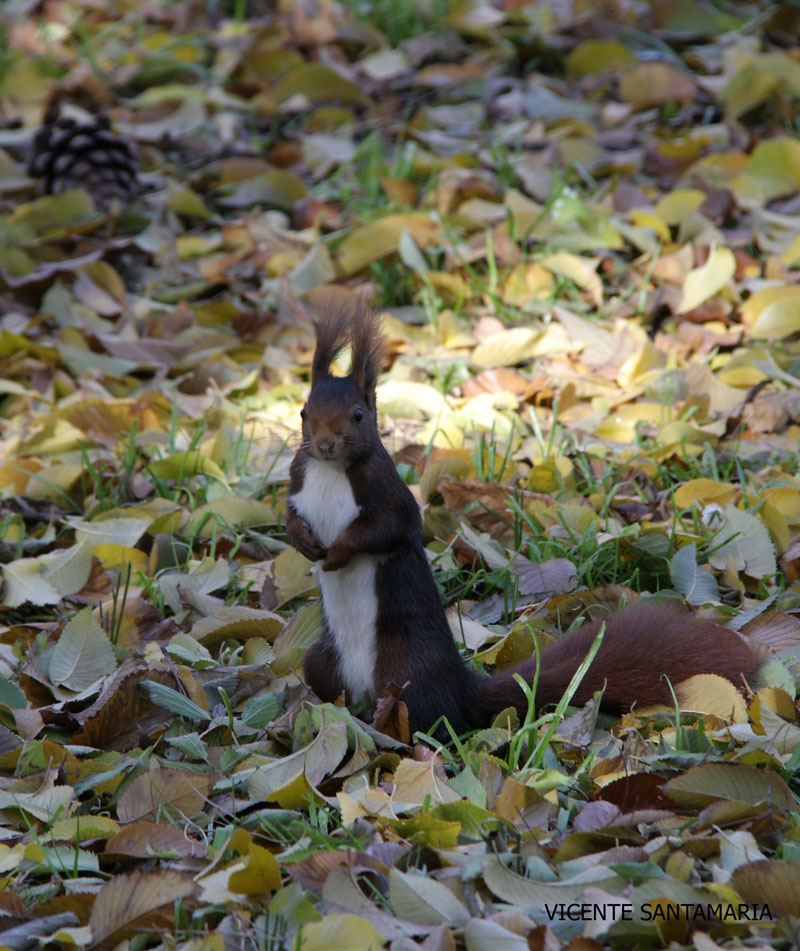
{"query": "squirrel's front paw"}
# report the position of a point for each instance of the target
(304, 540)
(338, 557)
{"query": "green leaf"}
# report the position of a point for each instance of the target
(696, 585)
(733, 782)
(747, 541)
(51, 212)
(11, 695)
(425, 901)
(317, 83)
(190, 745)
(276, 188)
(82, 655)
(174, 702)
(259, 711)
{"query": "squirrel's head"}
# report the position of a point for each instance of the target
(340, 420)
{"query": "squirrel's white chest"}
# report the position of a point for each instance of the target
(349, 598)
(326, 500)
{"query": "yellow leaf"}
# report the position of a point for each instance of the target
(296, 794)
(679, 432)
(676, 205)
(317, 83)
(749, 88)
(778, 320)
(341, 931)
(620, 426)
(81, 828)
(450, 286)
(184, 201)
(742, 376)
(703, 491)
(579, 270)
(293, 575)
(756, 303)
(414, 782)
(774, 699)
(528, 283)
(113, 556)
(52, 482)
(375, 240)
(194, 245)
(719, 169)
(426, 829)
(184, 465)
(639, 364)
(506, 348)
(772, 170)
(234, 510)
(777, 158)
(648, 219)
(598, 56)
(710, 693)
(791, 256)
(405, 398)
(703, 282)
(260, 874)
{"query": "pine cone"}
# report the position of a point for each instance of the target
(68, 153)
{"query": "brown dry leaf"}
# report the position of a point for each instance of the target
(415, 781)
(173, 793)
(553, 576)
(123, 711)
(137, 901)
(498, 380)
(772, 883)
(790, 561)
(774, 629)
(145, 839)
(236, 622)
(107, 422)
(492, 512)
(391, 714)
(654, 84)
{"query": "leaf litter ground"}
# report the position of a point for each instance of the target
(581, 224)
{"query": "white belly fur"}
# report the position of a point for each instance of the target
(349, 599)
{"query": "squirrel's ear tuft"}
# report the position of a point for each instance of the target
(369, 351)
(333, 333)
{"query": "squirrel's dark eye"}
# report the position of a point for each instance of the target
(303, 413)
(358, 416)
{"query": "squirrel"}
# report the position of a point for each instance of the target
(383, 621)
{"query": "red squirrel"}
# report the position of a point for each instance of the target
(350, 511)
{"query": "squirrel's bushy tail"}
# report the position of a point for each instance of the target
(645, 648)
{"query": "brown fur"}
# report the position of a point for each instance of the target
(645, 648)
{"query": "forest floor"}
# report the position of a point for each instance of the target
(581, 224)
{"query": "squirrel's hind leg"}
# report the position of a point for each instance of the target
(322, 670)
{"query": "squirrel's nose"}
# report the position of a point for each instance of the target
(325, 446)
